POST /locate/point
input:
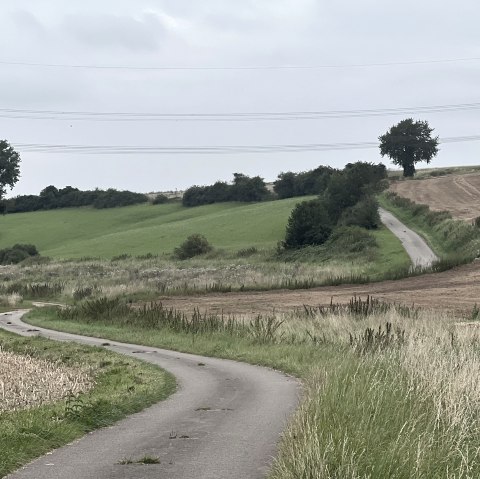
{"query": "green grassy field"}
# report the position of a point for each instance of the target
(136, 230)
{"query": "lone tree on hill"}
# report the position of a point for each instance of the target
(408, 143)
(9, 167)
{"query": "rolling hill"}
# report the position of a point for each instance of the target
(141, 229)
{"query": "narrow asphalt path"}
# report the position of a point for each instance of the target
(224, 421)
(415, 246)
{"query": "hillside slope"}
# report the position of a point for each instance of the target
(136, 230)
(459, 194)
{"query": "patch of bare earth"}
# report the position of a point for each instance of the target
(459, 194)
(455, 290)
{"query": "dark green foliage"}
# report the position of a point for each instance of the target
(17, 253)
(354, 183)
(194, 245)
(53, 198)
(244, 189)
(160, 199)
(9, 167)
(113, 198)
(409, 142)
(313, 182)
(249, 189)
(364, 214)
(309, 224)
(347, 201)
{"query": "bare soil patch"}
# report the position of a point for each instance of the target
(459, 194)
(456, 290)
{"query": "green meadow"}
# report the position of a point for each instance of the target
(142, 229)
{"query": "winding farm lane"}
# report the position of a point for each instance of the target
(224, 421)
(415, 246)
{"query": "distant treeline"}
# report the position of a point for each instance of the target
(52, 198)
(313, 182)
(287, 185)
(243, 188)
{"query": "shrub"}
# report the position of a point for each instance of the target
(17, 253)
(309, 224)
(194, 245)
(364, 214)
(160, 199)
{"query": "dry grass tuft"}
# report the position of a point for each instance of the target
(26, 382)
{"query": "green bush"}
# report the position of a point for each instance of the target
(309, 224)
(160, 199)
(194, 245)
(17, 253)
(364, 214)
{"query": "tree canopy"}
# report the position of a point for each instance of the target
(9, 167)
(408, 143)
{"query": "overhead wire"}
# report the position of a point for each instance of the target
(236, 68)
(211, 150)
(109, 116)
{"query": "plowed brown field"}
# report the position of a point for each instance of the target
(459, 194)
(456, 290)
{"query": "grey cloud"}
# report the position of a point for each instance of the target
(117, 31)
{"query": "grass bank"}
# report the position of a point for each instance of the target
(122, 386)
(389, 391)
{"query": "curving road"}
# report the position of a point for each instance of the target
(415, 246)
(223, 422)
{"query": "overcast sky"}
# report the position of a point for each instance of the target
(226, 33)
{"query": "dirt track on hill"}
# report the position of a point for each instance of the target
(455, 290)
(459, 194)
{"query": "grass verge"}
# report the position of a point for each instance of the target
(390, 391)
(122, 386)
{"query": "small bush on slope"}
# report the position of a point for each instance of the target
(194, 245)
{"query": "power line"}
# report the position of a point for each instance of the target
(210, 150)
(63, 115)
(246, 67)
